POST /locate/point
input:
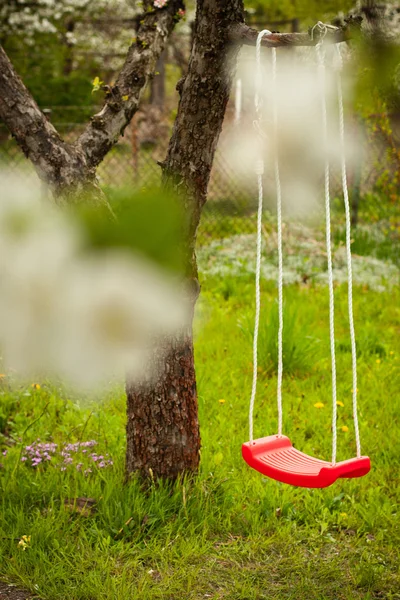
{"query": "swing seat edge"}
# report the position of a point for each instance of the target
(275, 457)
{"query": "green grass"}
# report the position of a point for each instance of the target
(298, 348)
(232, 533)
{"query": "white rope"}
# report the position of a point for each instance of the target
(260, 170)
(321, 63)
(348, 248)
(280, 252)
(258, 81)
(238, 101)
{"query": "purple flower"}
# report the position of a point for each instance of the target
(4, 452)
(71, 447)
(89, 444)
(63, 455)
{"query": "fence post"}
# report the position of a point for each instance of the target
(157, 89)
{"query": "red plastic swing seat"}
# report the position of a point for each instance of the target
(275, 457)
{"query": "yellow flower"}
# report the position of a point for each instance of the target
(2, 375)
(344, 515)
(345, 428)
(319, 405)
(339, 403)
(36, 386)
(222, 401)
(391, 354)
(378, 361)
(125, 98)
(96, 83)
(24, 542)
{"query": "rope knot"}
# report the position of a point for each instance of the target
(322, 30)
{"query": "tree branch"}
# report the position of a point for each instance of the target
(245, 35)
(70, 169)
(54, 160)
(123, 98)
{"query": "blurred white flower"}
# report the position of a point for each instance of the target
(69, 313)
(300, 136)
(116, 309)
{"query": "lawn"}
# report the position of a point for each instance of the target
(231, 533)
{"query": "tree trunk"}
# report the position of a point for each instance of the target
(163, 438)
(162, 420)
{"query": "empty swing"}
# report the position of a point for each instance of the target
(275, 456)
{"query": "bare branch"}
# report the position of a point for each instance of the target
(123, 98)
(243, 34)
(54, 160)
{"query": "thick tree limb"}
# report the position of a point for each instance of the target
(123, 98)
(55, 161)
(242, 34)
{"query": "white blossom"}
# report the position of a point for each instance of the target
(77, 314)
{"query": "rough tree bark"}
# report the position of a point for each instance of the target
(57, 163)
(70, 169)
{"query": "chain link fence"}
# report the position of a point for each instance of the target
(232, 199)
